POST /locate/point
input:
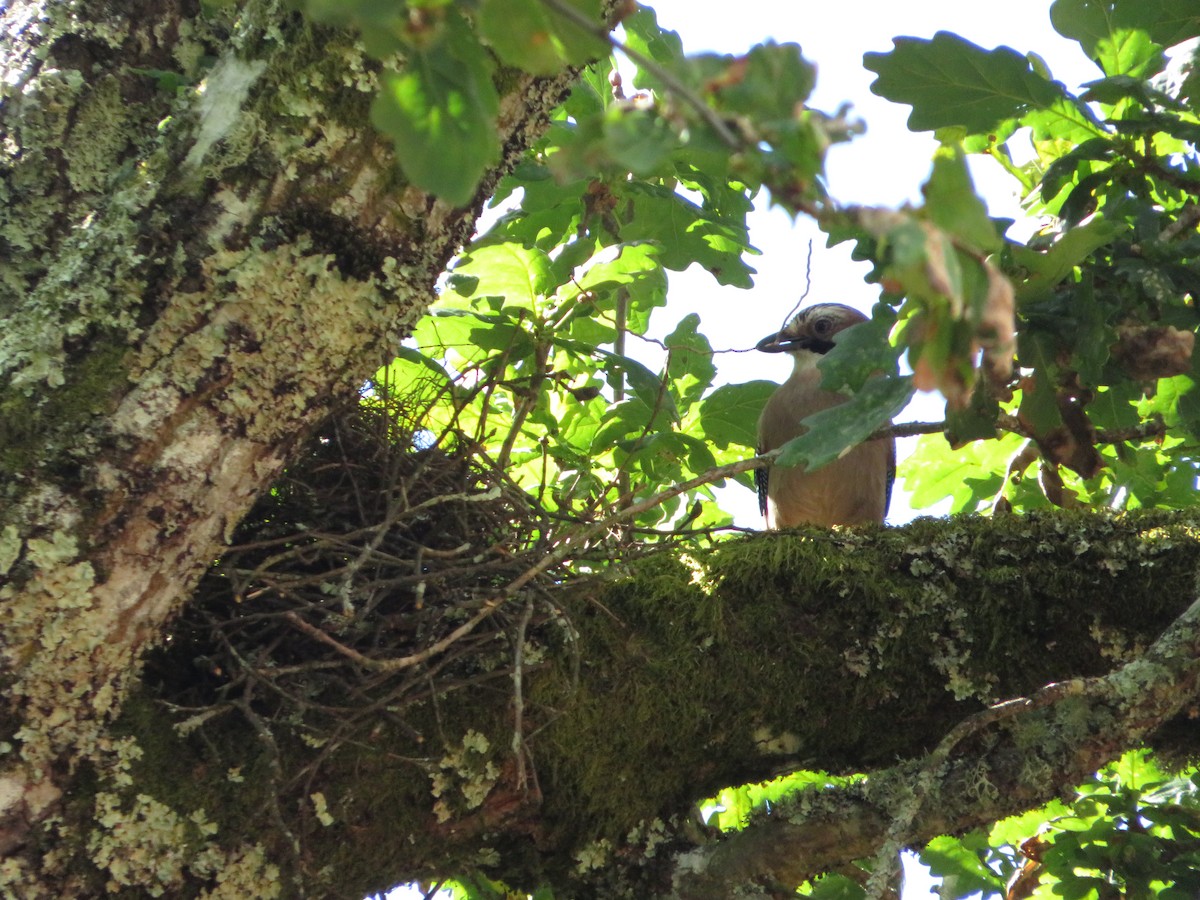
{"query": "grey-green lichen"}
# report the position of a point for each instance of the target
(219, 108)
(466, 775)
(98, 136)
(139, 842)
(136, 841)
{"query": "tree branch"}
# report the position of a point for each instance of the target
(1036, 747)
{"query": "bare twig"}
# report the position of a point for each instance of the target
(518, 744)
(676, 86)
(403, 662)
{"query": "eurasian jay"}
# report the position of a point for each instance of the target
(854, 488)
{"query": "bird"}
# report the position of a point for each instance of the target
(854, 489)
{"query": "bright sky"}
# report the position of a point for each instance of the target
(886, 166)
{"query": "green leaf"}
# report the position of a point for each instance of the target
(635, 268)
(626, 421)
(953, 205)
(415, 365)
(1066, 120)
(643, 34)
(440, 112)
(647, 387)
(835, 887)
(831, 431)
(1113, 407)
(729, 415)
(622, 139)
(1039, 403)
(528, 35)
(771, 84)
(687, 233)
(638, 139)
(1065, 167)
(970, 475)
(976, 420)
(861, 351)
(950, 81)
(689, 360)
(1015, 829)
(458, 330)
(665, 456)
(1069, 250)
(1120, 35)
(948, 856)
(521, 275)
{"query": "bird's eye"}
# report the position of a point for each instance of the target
(822, 327)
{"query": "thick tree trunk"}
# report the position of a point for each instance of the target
(203, 244)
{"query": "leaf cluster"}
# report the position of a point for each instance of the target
(1103, 393)
(1132, 831)
(535, 349)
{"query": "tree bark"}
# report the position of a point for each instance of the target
(204, 246)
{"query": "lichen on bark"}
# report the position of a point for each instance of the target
(200, 255)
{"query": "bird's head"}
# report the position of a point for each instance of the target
(813, 329)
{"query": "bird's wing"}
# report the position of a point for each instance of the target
(761, 475)
(891, 478)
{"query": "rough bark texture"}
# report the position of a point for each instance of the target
(203, 244)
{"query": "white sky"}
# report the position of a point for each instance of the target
(886, 166)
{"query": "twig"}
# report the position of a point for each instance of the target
(518, 742)
(1151, 428)
(677, 87)
(403, 662)
(807, 288)
(273, 760)
(1189, 216)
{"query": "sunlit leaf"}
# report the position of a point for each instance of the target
(950, 81)
(520, 275)
(1120, 35)
(1048, 268)
(689, 360)
(949, 857)
(529, 35)
(729, 415)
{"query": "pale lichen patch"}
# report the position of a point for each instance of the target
(467, 775)
(222, 94)
(143, 843)
(97, 137)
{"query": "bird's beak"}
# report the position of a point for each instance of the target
(781, 342)
(776, 343)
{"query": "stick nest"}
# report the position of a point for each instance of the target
(373, 573)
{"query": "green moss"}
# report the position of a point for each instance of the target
(30, 424)
(828, 646)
